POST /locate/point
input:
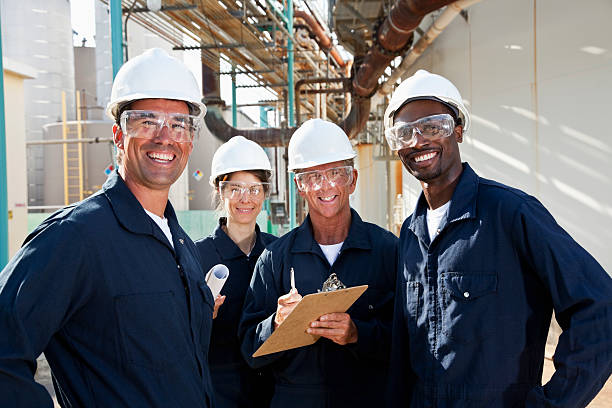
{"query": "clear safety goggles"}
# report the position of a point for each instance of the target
(146, 124)
(313, 180)
(403, 134)
(234, 190)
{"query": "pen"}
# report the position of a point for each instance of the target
(292, 280)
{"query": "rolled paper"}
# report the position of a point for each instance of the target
(216, 277)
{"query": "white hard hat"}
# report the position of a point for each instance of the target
(318, 142)
(425, 85)
(154, 75)
(238, 154)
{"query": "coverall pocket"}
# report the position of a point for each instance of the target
(149, 327)
(468, 312)
(414, 293)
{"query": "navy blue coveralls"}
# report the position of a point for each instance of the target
(123, 318)
(325, 374)
(473, 306)
(235, 384)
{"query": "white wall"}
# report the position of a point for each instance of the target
(537, 78)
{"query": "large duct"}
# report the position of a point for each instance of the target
(393, 36)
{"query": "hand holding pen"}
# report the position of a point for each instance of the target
(288, 302)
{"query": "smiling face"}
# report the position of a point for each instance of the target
(431, 161)
(329, 201)
(245, 208)
(156, 163)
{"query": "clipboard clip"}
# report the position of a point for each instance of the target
(332, 283)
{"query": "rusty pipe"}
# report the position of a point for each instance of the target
(404, 17)
(393, 35)
(357, 117)
(436, 28)
(322, 38)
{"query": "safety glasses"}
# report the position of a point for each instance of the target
(313, 180)
(403, 134)
(182, 128)
(234, 190)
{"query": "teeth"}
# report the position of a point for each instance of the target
(161, 156)
(425, 157)
(327, 198)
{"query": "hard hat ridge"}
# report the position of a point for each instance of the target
(425, 85)
(238, 154)
(317, 142)
(154, 75)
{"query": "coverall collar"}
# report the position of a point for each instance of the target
(462, 205)
(131, 214)
(357, 236)
(227, 248)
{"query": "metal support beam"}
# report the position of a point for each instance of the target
(223, 46)
(164, 8)
(246, 72)
(290, 100)
(281, 85)
(260, 103)
(90, 140)
(116, 35)
(4, 239)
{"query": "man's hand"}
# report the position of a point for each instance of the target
(218, 302)
(286, 304)
(338, 327)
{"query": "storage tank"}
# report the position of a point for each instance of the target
(39, 33)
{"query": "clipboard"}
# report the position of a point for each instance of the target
(292, 332)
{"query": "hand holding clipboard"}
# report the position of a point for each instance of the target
(292, 333)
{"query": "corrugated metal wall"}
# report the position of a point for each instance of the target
(537, 76)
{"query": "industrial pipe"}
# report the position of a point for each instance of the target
(393, 36)
(266, 137)
(344, 81)
(420, 46)
(322, 38)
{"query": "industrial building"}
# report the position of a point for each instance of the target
(535, 89)
(535, 75)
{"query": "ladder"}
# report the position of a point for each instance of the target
(73, 153)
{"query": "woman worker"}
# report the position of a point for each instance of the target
(240, 174)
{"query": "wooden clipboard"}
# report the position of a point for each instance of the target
(292, 332)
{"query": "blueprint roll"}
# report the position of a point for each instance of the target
(216, 277)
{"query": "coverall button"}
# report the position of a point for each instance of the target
(370, 307)
(466, 294)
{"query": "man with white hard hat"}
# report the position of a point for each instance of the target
(347, 366)
(482, 266)
(111, 288)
